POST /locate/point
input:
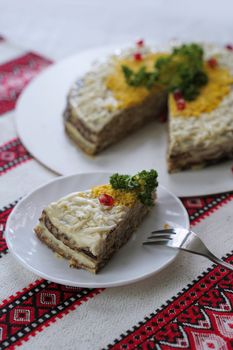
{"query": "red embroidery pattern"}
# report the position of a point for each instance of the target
(4, 213)
(36, 307)
(199, 318)
(200, 207)
(15, 75)
(12, 154)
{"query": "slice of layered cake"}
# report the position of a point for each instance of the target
(88, 227)
(193, 81)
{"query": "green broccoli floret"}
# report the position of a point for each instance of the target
(123, 182)
(143, 183)
(139, 78)
(182, 70)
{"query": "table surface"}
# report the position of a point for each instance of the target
(185, 304)
(59, 28)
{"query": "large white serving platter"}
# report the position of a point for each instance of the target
(40, 126)
(131, 263)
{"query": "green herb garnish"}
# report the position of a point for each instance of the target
(182, 70)
(143, 183)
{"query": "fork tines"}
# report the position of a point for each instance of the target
(168, 230)
(159, 237)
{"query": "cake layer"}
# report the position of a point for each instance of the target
(200, 158)
(80, 141)
(122, 124)
(76, 259)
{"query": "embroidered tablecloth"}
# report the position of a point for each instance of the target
(188, 305)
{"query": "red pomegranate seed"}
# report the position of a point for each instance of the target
(229, 47)
(140, 43)
(107, 200)
(177, 95)
(137, 56)
(212, 62)
(181, 104)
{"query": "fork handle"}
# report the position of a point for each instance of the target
(207, 254)
(216, 260)
(197, 246)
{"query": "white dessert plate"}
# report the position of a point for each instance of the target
(131, 263)
(40, 126)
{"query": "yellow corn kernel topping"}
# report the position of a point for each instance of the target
(120, 197)
(129, 95)
(218, 86)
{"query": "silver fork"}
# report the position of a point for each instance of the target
(181, 238)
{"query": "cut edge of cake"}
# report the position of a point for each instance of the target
(123, 124)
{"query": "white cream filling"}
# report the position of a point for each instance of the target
(75, 134)
(81, 258)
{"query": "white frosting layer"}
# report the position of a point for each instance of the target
(209, 130)
(89, 97)
(84, 220)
